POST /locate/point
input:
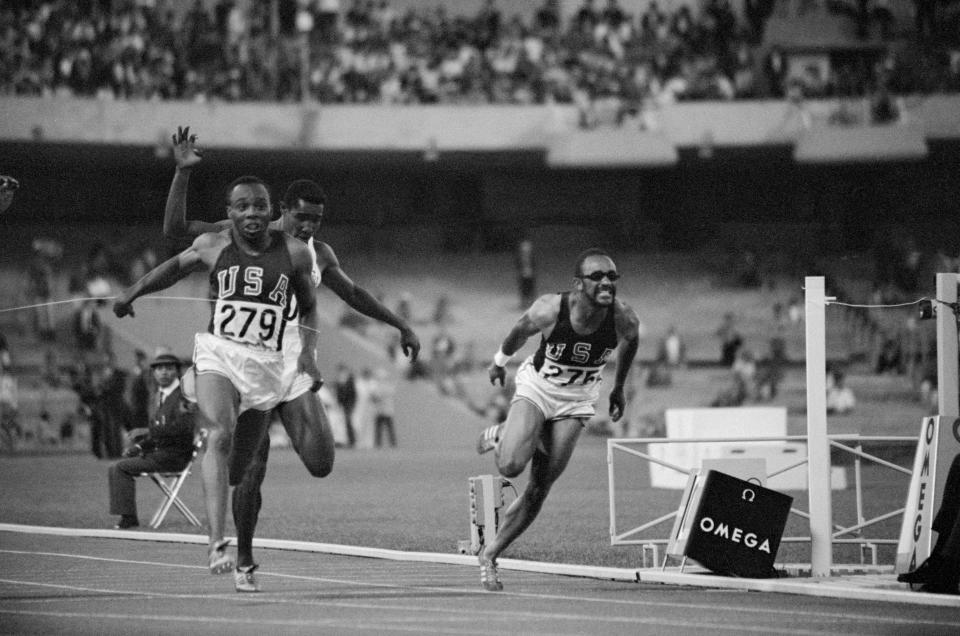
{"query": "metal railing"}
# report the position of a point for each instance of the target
(840, 535)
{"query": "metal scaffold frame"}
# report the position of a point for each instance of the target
(823, 532)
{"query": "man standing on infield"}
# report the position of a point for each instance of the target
(256, 273)
(557, 389)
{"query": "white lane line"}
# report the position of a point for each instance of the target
(419, 617)
(140, 619)
(813, 614)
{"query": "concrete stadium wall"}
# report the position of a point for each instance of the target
(416, 128)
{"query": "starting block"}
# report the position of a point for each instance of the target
(486, 500)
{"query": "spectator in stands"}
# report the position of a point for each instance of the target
(771, 369)
(840, 397)
(425, 56)
(140, 390)
(547, 19)
(9, 408)
(8, 185)
(382, 393)
(740, 381)
(404, 308)
(730, 340)
(40, 277)
(364, 412)
(114, 412)
(757, 12)
(526, 272)
(940, 572)
(890, 357)
(5, 359)
(882, 109)
(586, 19)
(88, 327)
(441, 311)
(166, 445)
(925, 18)
(882, 14)
(672, 350)
(442, 357)
(795, 310)
(346, 392)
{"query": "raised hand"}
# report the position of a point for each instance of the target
(186, 152)
(496, 374)
(409, 344)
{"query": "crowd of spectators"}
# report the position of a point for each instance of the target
(369, 52)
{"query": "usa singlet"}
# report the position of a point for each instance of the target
(252, 294)
(572, 362)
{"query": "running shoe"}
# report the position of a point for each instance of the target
(220, 561)
(489, 575)
(244, 581)
(488, 439)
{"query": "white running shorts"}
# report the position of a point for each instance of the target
(256, 374)
(555, 404)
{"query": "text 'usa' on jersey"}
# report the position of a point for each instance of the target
(567, 358)
(252, 295)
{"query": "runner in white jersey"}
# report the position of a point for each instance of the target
(300, 410)
(557, 389)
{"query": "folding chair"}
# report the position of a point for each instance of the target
(171, 482)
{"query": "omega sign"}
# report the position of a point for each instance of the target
(737, 526)
(734, 534)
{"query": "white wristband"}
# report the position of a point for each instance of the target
(500, 358)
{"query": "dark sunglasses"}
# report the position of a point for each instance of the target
(596, 277)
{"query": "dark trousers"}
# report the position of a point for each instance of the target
(122, 476)
(106, 439)
(947, 521)
(384, 423)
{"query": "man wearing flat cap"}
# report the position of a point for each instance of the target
(166, 446)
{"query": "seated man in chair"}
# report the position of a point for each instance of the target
(166, 447)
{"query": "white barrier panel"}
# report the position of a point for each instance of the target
(734, 422)
(778, 456)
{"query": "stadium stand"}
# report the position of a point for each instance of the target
(615, 60)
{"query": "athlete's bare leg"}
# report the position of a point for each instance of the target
(519, 436)
(218, 402)
(559, 439)
(248, 468)
(307, 425)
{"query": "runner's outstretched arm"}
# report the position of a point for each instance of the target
(361, 300)
(162, 276)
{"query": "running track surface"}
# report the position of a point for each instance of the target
(83, 585)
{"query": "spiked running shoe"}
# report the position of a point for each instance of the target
(489, 575)
(220, 561)
(488, 439)
(244, 581)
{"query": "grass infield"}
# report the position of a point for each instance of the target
(415, 498)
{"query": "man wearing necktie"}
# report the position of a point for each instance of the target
(167, 445)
